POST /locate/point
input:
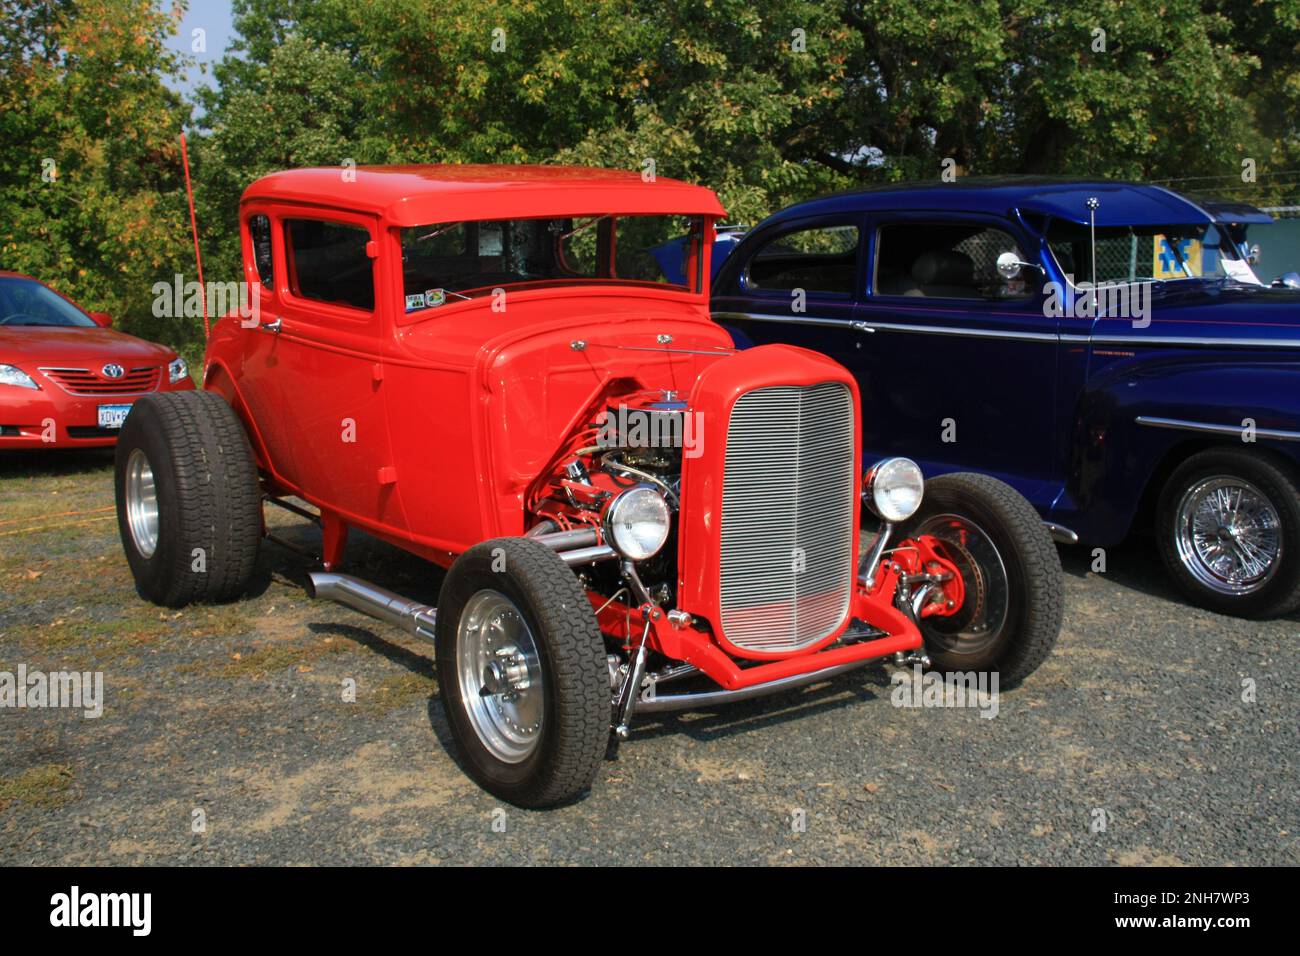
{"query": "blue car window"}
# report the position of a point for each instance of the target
(946, 261)
(818, 259)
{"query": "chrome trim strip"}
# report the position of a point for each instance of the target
(1210, 429)
(873, 325)
(803, 319)
(1061, 534)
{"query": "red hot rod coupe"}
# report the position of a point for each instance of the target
(486, 367)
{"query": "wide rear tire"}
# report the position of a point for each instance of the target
(189, 505)
(1011, 571)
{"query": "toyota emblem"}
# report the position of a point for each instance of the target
(113, 371)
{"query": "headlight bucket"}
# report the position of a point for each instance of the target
(637, 523)
(177, 370)
(893, 489)
(13, 375)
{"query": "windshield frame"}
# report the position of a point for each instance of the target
(688, 228)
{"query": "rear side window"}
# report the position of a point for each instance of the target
(259, 231)
(946, 261)
(819, 259)
(327, 262)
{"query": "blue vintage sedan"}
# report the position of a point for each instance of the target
(1100, 346)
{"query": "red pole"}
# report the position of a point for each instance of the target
(194, 228)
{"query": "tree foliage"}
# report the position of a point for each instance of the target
(767, 103)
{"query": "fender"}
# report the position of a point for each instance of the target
(1139, 416)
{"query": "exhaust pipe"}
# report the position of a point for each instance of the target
(413, 617)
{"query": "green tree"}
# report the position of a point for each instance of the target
(91, 187)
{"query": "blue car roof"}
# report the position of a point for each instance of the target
(1120, 203)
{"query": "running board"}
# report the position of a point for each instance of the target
(661, 703)
(413, 617)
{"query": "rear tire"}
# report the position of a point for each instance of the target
(537, 732)
(189, 505)
(1012, 572)
(1220, 511)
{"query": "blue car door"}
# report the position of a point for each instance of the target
(960, 369)
(797, 286)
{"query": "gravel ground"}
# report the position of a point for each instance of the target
(234, 717)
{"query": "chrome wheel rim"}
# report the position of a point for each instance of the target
(141, 503)
(984, 611)
(1228, 534)
(500, 676)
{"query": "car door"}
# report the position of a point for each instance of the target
(314, 362)
(960, 372)
(796, 283)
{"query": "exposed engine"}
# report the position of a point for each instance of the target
(611, 479)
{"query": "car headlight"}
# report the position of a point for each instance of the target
(177, 370)
(637, 523)
(893, 489)
(12, 375)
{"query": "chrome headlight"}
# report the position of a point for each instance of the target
(893, 489)
(13, 375)
(177, 370)
(637, 523)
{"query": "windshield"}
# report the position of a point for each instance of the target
(446, 262)
(1145, 254)
(24, 302)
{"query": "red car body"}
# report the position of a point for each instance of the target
(464, 362)
(502, 394)
(74, 370)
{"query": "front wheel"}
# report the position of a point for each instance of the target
(522, 673)
(1011, 573)
(1228, 530)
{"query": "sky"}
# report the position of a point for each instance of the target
(213, 17)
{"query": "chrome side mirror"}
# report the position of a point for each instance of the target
(1010, 264)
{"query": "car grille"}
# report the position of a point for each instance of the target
(789, 500)
(81, 381)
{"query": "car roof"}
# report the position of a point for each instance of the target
(1119, 203)
(418, 195)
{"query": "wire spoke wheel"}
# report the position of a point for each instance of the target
(1228, 535)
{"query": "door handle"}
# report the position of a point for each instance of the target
(858, 326)
(272, 327)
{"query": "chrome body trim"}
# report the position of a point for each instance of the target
(1061, 534)
(1206, 428)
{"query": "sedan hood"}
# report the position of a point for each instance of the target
(39, 345)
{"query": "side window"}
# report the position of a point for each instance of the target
(259, 231)
(820, 259)
(946, 261)
(327, 262)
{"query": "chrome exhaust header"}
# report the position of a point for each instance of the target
(413, 617)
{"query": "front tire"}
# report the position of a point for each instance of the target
(189, 506)
(1011, 571)
(522, 673)
(1228, 531)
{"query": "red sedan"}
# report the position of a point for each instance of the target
(67, 380)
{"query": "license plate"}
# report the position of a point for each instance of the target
(112, 416)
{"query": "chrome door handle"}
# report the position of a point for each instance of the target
(862, 327)
(272, 327)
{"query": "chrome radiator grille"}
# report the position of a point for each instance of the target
(789, 501)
